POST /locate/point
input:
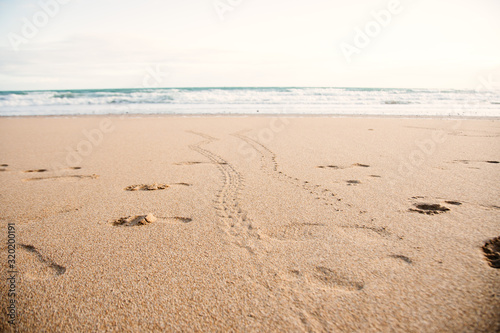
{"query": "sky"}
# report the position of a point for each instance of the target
(93, 44)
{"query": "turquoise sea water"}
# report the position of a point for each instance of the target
(251, 100)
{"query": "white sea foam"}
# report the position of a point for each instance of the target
(252, 100)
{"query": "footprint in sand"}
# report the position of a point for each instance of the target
(491, 251)
(3, 167)
(190, 163)
(349, 182)
(141, 220)
(197, 162)
(35, 170)
(178, 218)
(297, 232)
(429, 209)
(132, 221)
(324, 277)
(328, 167)
(152, 187)
(469, 161)
(144, 187)
(335, 280)
(336, 167)
(46, 170)
(37, 266)
(382, 231)
(401, 257)
(68, 177)
(443, 208)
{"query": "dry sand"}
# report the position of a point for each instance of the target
(316, 224)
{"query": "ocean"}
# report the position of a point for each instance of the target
(199, 101)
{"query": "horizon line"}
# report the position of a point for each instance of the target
(233, 87)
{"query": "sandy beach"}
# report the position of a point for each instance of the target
(250, 224)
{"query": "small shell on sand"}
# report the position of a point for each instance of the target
(150, 218)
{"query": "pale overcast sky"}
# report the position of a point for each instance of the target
(112, 43)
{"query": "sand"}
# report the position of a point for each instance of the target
(312, 224)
